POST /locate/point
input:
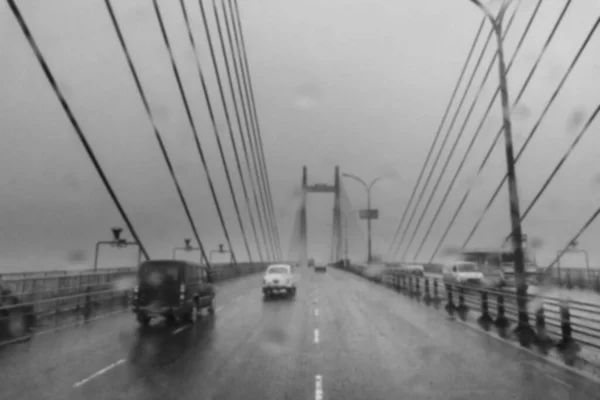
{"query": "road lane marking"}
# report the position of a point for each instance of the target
(318, 387)
(101, 372)
(219, 309)
(316, 312)
(316, 336)
(181, 329)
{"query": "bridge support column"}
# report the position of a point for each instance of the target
(567, 345)
(450, 306)
(303, 220)
(485, 320)
(337, 214)
(462, 307)
(501, 321)
(427, 297)
(544, 342)
(436, 294)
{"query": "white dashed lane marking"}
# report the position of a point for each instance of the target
(317, 336)
(318, 387)
(101, 372)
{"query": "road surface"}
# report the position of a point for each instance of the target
(342, 337)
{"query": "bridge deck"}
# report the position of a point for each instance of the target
(341, 338)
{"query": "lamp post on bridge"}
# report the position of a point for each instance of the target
(367, 214)
(221, 250)
(524, 330)
(187, 248)
(346, 217)
(116, 242)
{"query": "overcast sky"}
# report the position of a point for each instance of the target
(355, 83)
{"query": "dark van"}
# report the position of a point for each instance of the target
(174, 289)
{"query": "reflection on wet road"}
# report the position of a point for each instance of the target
(340, 338)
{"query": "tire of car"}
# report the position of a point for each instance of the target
(143, 319)
(170, 319)
(211, 307)
(192, 316)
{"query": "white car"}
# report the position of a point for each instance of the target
(462, 272)
(279, 278)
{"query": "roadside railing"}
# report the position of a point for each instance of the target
(570, 329)
(41, 304)
(559, 276)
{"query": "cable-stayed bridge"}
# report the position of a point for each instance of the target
(395, 324)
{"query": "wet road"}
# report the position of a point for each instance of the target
(342, 337)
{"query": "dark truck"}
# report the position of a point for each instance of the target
(173, 289)
(17, 320)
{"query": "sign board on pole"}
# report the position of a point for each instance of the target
(369, 214)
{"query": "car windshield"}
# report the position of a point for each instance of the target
(157, 273)
(277, 270)
(467, 268)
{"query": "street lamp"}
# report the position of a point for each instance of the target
(368, 187)
(116, 242)
(187, 248)
(221, 250)
(346, 217)
(525, 331)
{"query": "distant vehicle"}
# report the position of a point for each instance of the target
(462, 272)
(174, 289)
(311, 262)
(279, 278)
(17, 320)
(498, 265)
(320, 266)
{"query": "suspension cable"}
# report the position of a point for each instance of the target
(574, 239)
(559, 165)
(497, 137)
(436, 137)
(228, 69)
(270, 247)
(476, 134)
(218, 139)
(536, 126)
(260, 144)
(193, 126)
(424, 188)
(67, 109)
(252, 138)
(157, 134)
(447, 136)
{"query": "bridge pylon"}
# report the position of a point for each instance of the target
(337, 213)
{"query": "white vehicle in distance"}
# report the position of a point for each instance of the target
(279, 278)
(462, 273)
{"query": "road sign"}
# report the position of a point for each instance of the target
(369, 214)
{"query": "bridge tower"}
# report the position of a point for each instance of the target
(337, 213)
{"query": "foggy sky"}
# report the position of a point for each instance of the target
(359, 84)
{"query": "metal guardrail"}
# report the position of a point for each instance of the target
(61, 301)
(571, 328)
(562, 277)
